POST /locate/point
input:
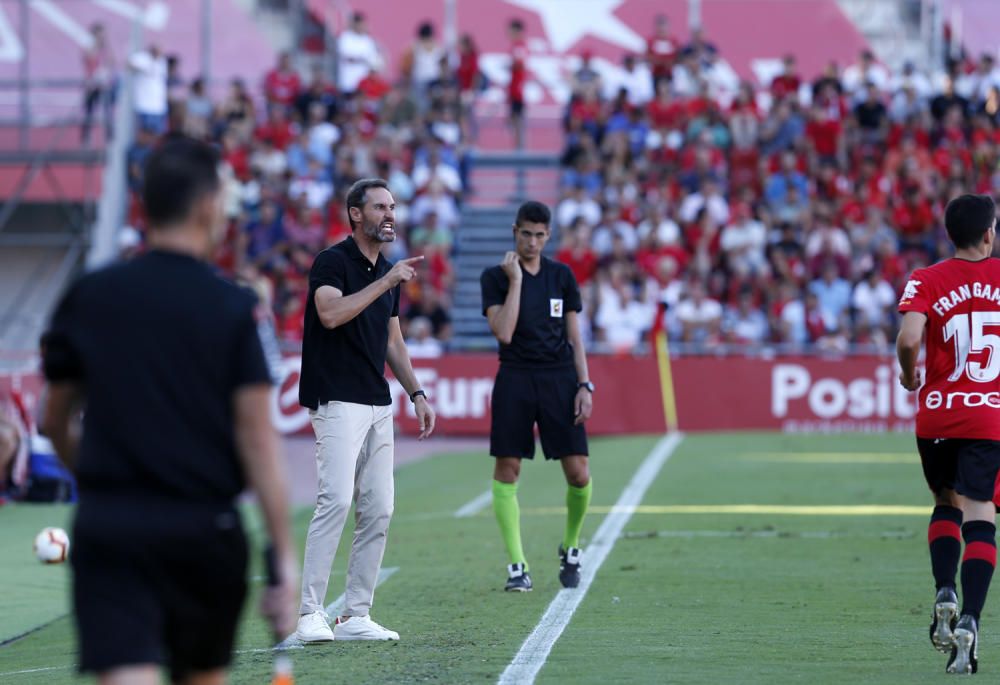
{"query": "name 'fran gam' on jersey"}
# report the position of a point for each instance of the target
(955, 297)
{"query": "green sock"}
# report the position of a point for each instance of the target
(577, 501)
(508, 515)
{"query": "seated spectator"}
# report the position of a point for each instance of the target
(319, 91)
(198, 110)
(874, 301)
(237, 111)
(787, 83)
(435, 200)
(314, 186)
(833, 295)
(419, 341)
(700, 316)
(575, 251)
(430, 233)
(745, 324)
(866, 71)
(871, 117)
(435, 169)
(659, 222)
(776, 190)
(577, 204)
(623, 316)
(709, 198)
(610, 227)
(281, 84)
(428, 306)
(743, 242)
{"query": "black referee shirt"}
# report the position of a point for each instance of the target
(160, 344)
(539, 338)
(347, 363)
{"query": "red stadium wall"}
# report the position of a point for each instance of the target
(791, 394)
(628, 398)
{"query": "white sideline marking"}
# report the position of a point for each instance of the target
(531, 657)
(474, 506)
(36, 670)
(333, 609)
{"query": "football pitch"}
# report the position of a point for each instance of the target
(751, 558)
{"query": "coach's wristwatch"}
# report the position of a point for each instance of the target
(586, 384)
(417, 393)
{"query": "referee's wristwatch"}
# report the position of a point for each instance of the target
(586, 385)
(417, 393)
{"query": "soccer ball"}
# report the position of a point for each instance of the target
(52, 546)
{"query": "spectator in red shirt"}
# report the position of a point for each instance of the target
(277, 130)
(518, 78)
(281, 85)
(661, 51)
(786, 84)
(914, 221)
(576, 253)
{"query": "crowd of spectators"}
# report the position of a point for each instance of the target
(292, 147)
(690, 201)
(694, 203)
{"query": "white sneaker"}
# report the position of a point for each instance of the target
(314, 628)
(362, 628)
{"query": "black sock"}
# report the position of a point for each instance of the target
(977, 565)
(944, 537)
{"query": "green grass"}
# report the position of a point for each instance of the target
(682, 598)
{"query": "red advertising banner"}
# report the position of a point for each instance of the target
(628, 398)
(791, 394)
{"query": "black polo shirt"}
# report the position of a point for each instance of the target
(347, 363)
(159, 344)
(539, 338)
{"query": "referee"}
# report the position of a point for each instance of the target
(351, 332)
(164, 359)
(532, 304)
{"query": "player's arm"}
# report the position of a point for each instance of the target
(503, 318)
(398, 358)
(62, 402)
(911, 332)
(335, 309)
(260, 454)
(583, 404)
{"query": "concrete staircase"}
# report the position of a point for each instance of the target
(502, 180)
(892, 28)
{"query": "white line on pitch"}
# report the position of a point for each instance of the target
(531, 657)
(474, 506)
(36, 670)
(333, 609)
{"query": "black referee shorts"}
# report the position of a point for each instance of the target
(163, 587)
(524, 397)
(970, 467)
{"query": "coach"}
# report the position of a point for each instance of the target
(351, 331)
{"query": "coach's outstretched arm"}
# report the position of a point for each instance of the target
(335, 309)
(911, 331)
(260, 453)
(503, 318)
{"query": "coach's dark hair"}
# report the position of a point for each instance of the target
(358, 194)
(967, 218)
(533, 211)
(178, 173)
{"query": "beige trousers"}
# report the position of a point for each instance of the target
(354, 462)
